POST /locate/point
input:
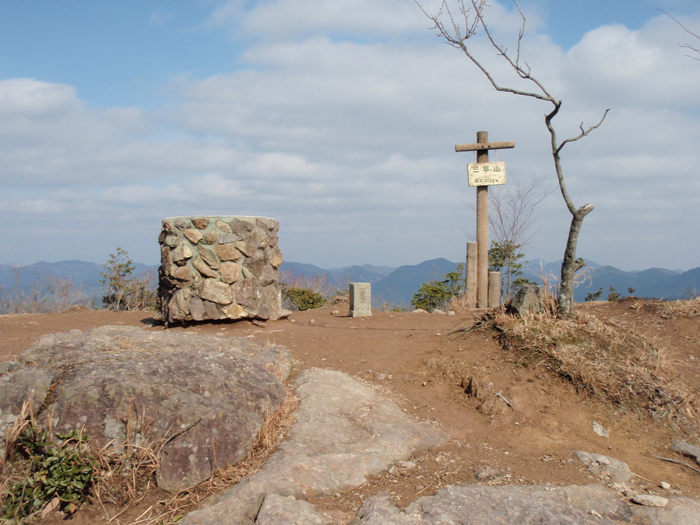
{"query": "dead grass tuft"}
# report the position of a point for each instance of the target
(128, 469)
(670, 309)
(609, 361)
(272, 432)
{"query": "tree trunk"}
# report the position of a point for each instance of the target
(570, 265)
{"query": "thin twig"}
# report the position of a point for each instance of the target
(679, 462)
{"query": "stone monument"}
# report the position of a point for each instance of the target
(219, 267)
(360, 300)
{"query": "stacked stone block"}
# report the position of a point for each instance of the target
(221, 267)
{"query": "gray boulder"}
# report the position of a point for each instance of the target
(345, 432)
(530, 299)
(205, 396)
(605, 467)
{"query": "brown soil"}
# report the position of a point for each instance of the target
(412, 359)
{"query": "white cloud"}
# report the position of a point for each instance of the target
(341, 123)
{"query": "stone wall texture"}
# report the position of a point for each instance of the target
(219, 267)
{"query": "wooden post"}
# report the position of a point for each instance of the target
(494, 289)
(482, 228)
(481, 287)
(470, 292)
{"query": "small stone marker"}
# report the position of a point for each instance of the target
(360, 300)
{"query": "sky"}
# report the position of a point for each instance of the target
(339, 119)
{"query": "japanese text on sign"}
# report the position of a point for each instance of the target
(487, 173)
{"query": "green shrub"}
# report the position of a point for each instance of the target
(437, 294)
(64, 471)
(613, 295)
(594, 296)
(303, 298)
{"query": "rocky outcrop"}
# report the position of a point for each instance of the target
(205, 396)
(221, 267)
(525, 505)
(345, 432)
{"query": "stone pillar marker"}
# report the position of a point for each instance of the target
(360, 300)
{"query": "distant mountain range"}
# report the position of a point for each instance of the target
(85, 275)
(397, 285)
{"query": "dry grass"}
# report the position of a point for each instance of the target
(272, 432)
(610, 362)
(127, 469)
(671, 309)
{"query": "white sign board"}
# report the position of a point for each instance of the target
(487, 173)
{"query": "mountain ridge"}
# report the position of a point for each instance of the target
(396, 286)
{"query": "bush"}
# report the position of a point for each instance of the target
(122, 290)
(303, 298)
(435, 295)
(62, 474)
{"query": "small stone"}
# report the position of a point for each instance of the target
(209, 257)
(598, 429)
(438, 311)
(211, 237)
(181, 254)
(489, 473)
(216, 292)
(229, 272)
(203, 268)
(234, 311)
(275, 257)
(228, 238)
(192, 235)
(650, 501)
(335, 312)
(419, 311)
(665, 485)
(201, 223)
(451, 312)
(182, 273)
(226, 252)
(311, 321)
(221, 225)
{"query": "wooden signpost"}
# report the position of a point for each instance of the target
(482, 175)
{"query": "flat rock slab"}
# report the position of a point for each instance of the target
(524, 505)
(208, 395)
(345, 432)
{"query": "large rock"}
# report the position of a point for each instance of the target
(207, 394)
(344, 433)
(525, 505)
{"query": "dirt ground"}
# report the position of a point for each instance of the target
(412, 358)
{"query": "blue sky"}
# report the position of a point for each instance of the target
(338, 118)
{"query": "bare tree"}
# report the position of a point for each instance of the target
(511, 217)
(448, 28)
(687, 46)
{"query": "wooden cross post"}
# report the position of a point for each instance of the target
(482, 148)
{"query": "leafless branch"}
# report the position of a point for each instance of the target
(583, 133)
(686, 46)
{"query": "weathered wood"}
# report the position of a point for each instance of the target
(494, 289)
(470, 291)
(482, 228)
(484, 146)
